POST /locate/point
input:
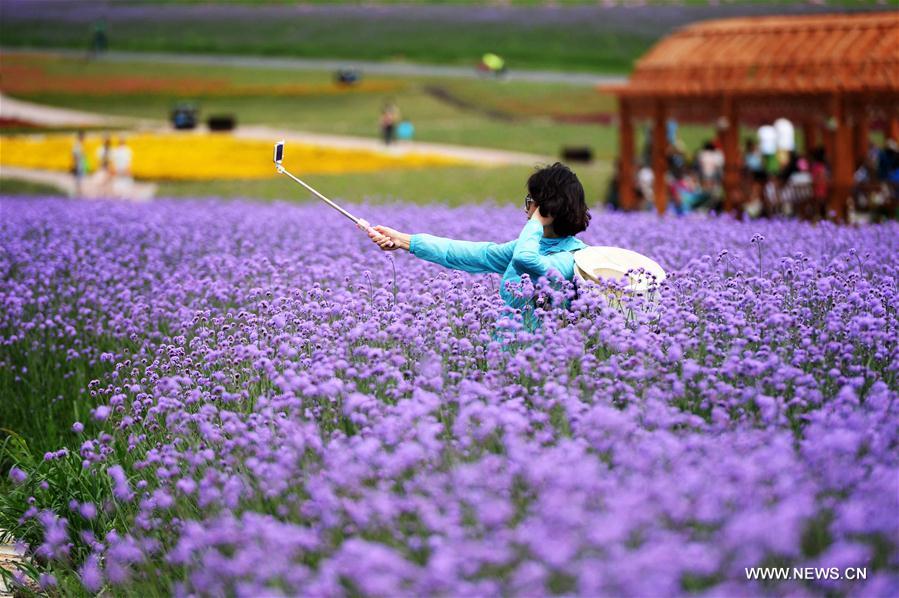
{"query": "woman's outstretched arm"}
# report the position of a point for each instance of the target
(477, 257)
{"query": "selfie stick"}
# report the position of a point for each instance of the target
(358, 221)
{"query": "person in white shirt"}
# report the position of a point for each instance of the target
(121, 167)
(645, 178)
(768, 145)
(711, 165)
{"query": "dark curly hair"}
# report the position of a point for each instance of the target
(558, 193)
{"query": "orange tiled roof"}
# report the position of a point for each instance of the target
(784, 54)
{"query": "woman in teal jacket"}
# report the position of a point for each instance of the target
(556, 211)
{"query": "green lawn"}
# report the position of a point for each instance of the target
(17, 187)
(451, 186)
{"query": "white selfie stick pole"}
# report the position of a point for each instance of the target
(282, 170)
(358, 221)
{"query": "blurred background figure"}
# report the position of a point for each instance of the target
(671, 130)
(79, 163)
(102, 180)
(99, 40)
(677, 155)
(786, 141)
(686, 192)
(390, 116)
(888, 162)
(645, 178)
(754, 172)
(768, 146)
(820, 176)
(795, 183)
(122, 182)
(711, 167)
(493, 64)
(405, 130)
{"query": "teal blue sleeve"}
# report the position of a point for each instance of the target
(526, 258)
(477, 257)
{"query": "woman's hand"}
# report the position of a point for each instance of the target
(543, 220)
(380, 240)
(384, 235)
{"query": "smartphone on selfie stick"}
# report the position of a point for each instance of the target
(279, 158)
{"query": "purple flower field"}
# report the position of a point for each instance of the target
(284, 409)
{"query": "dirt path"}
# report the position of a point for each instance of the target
(50, 116)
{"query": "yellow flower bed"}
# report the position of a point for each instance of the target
(191, 156)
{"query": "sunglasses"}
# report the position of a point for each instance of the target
(527, 203)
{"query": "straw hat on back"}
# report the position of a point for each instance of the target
(640, 274)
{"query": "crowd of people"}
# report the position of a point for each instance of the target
(691, 183)
(773, 180)
(794, 183)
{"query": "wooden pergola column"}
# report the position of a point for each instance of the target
(860, 132)
(659, 158)
(841, 161)
(809, 136)
(626, 156)
(731, 147)
(829, 136)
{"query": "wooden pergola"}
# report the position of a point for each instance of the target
(833, 76)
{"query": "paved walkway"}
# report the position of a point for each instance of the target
(313, 64)
(50, 116)
(478, 155)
